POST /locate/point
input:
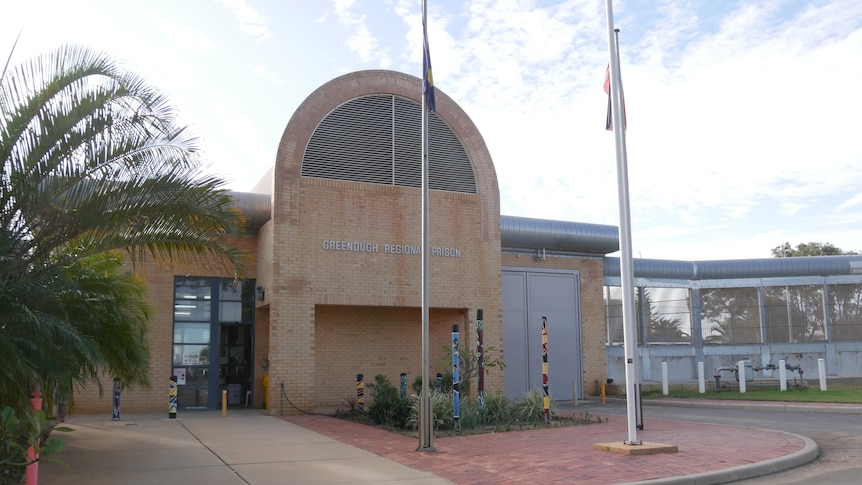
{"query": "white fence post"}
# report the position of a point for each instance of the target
(741, 373)
(821, 368)
(782, 375)
(664, 386)
(701, 386)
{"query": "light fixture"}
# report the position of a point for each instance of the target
(261, 294)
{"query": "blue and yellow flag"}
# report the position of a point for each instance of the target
(427, 78)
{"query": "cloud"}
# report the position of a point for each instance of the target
(264, 73)
(360, 39)
(734, 110)
(250, 20)
(851, 203)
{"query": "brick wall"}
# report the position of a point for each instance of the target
(160, 295)
(375, 340)
(331, 313)
(315, 279)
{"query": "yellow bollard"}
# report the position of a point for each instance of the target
(603, 394)
(266, 392)
(224, 403)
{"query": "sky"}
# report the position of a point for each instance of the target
(743, 116)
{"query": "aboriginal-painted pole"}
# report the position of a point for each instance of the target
(403, 385)
(547, 399)
(480, 364)
(172, 398)
(360, 393)
(456, 379)
(116, 414)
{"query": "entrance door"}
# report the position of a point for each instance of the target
(193, 308)
(529, 295)
(213, 335)
(235, 362)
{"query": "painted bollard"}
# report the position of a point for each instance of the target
(116, 412)
(32, 471)
(547, 398)
(480, 362)
(456, 379)
(360, 393)
(172, 398)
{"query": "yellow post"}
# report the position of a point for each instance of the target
(266, 392)
(603, 394)
(224, 403)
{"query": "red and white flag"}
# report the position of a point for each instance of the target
(609, 125)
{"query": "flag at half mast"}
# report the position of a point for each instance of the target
(427, 78)
(609, 125)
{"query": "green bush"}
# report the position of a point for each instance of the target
(388, 407)
(500, 413)
(18, 434)
(443, 412)
(497, 409)
(531, 408)
(445, 384)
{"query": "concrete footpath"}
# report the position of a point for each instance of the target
(249, 447)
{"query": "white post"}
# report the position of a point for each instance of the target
(630, 340)
(701, 385)
(664, 389)
(426, 412)
(821, 368)
(741, 374)
(782, 375)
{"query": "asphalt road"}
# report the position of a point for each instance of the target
(838, 435)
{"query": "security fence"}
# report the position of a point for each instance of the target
(718, 312)
(740, 315)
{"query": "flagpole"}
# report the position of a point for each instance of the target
(425, 411)
(626, 265)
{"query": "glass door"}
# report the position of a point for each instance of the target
(192, 342)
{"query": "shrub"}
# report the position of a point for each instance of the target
(445, 384)
(531, 408)
(389, 407)
(16, 435)
(497, 409)
(468, 369)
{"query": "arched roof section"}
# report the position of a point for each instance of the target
(375, 85)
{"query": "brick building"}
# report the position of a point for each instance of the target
(335, 287)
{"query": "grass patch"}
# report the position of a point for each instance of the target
(845, 394)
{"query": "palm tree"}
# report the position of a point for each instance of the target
(94, 161)
(664, 329)
(733, 313)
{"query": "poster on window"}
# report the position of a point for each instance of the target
(191, 359)
(180, 372)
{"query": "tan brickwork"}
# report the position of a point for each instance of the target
(329, 313)
(160, 295)
(375, 340)
(310, 280)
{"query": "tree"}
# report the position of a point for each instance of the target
(733, 313)
(805, 304)
(807, 249)
(662, 328)
(94, 161)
